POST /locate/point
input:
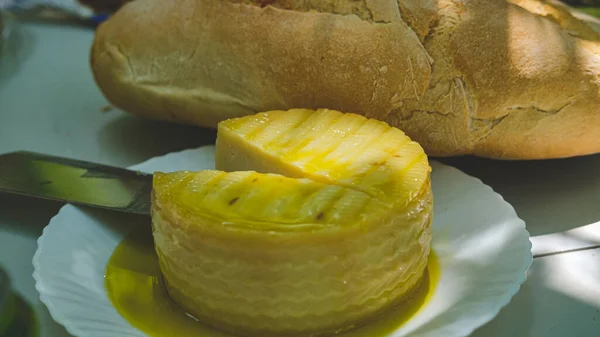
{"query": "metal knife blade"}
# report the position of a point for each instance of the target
(74, 181)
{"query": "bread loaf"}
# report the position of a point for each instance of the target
(504, 79)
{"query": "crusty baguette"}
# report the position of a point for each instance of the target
(513, 79)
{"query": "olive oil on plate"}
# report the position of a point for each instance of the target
(17, 318)
(135, 287)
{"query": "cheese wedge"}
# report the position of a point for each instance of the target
(312, 222)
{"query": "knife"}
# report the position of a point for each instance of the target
(76, 182)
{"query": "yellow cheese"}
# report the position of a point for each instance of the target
(312, 222)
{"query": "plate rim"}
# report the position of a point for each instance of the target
(501, 302)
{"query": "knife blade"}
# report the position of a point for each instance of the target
(75, 181)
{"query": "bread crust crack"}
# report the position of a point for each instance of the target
(482, 128)
(538, 109)
(373, 11)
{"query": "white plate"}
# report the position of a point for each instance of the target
(482, 246)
